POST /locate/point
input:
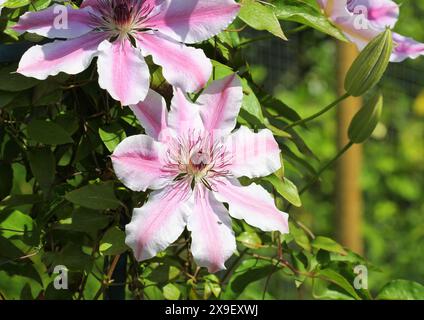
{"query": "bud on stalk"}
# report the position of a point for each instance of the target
(365, 121)
(368, 68)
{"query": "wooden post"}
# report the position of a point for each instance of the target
(348, 190)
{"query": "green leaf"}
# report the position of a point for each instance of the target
(164, 273)
(113, 242)
(17, 221)
(88, 221)
(250, 102)
(20, 199)
(171, 292)
(212, 286)
(365, 121)
(370, 66)
(327, 244)
(300, 236)
(6, 98)
(250, 240)
(304, 13)
(401, 290)
(112, 135)
(6, 178)
(70, 256)
(48, 132)
(14, 82)
(285, 188)
(338, 279)
(249, 271)
(95, 196)
(261, 17)
(43, 167)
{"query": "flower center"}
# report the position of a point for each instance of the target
(122, 17)
(122, 12)
(197, 159)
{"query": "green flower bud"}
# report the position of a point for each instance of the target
(365, 121)
(368, 68)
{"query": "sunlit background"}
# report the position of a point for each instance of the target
(392, 180)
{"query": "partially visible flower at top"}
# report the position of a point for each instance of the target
(192, 160)
(2, 2)
(121, 33)
(362, 20)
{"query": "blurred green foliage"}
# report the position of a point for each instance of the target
(393, 170)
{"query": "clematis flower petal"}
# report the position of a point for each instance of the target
(365, 19)
(158, 223)
(71, 56)
(213, 240)
(123, 71)
(138, 163)
(193, 159)
(406, 48)
(184, 115)
(183, 67)
(152, 114)
(192, 21)
(334, 8)
(380, 13)
(253, 154)
(351, 20)
(221, 103)
(57, 21)
(253, 204)
(358, 35)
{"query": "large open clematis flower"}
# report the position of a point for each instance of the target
(121, 33)
(363, 20)
(192, 160)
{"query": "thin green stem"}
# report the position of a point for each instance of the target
(328, 165)
(253, 40)
(296, 30)
(319, 113)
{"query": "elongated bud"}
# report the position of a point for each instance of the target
(368, 68)
(365, 121)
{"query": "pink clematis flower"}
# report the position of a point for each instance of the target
(120, 33)
(192, 160)
(362, 20)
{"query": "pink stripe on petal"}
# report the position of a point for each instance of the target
(183, 67)
(138, 163)
(253, 204)
(123, 71)
(70, 56)
(184, 115)
(381, 13)
(221, 102)
(152, 114)
(192, 21)
(252, 154)
(57, 21)
(406, 48)
(158, 223)
(212, 236)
